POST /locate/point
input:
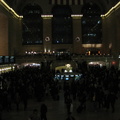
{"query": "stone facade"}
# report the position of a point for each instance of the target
(11, 34)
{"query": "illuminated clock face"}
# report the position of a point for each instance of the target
(77, 39)
(47, 39)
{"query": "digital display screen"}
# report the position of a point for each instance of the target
(62, 77)
(71, 75)
(67, 78)
(58, 75)
(66, 75)
(6, 59)
(12, 59)
(80, 75)
(1, 59)
(77, 77)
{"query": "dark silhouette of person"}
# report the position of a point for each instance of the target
(43, 111)
(68, 104)
(70, 117)
(17, 101)
(0, 112)
(113, 98)
(34, 115)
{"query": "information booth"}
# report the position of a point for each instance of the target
(67, 76)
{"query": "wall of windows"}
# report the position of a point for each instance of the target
(32, 25)
(62, 25)
(91, 24)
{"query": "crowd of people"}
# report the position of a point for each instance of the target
(35, 115)
(21, 85)
(100, 85)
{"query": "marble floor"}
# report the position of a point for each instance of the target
(57, 110)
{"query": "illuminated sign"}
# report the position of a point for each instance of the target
(1, 59)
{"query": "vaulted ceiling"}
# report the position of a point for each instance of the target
(18, 5)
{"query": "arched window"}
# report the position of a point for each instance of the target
(32, 25)
(62, 25)
(91, 24)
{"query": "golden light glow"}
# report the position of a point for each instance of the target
(45, 50)
(75, 16)
(10, 9)
(89, 52)
(50, 16)
(68, 65)
(46, 16)
(5, 69)
(91, 45)
(78, 15)
(111, 10)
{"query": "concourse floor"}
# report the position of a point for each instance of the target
(57, 110)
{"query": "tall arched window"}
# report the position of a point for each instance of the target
(62, 25)
(91, 24)
(32, 25)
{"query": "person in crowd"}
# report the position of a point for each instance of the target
(43, 112)
(82, 99)
(24, 96)
(73, 89)
(34, 115)
(66, 95)
(9, 101)
(36, 78)
(17, 100)
(113, 98)
(0, 112)
(101, 98)
(70, 117)
(25, 100)
(5, 101)
(68, 104)
(95, 102)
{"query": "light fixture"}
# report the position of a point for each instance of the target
(70, 70)
(46, 16)
(111, 10)
(10, 9)
(65, 71)
(77, 15)
(92, 45)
